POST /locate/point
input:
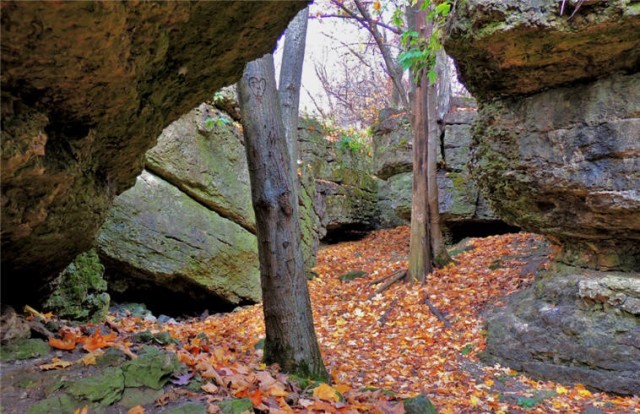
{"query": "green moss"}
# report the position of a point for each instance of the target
(57, 404)
(80, 290)
(23, 349)
(235, 406)
(104, 388)
(151, 369)
(632, 9)
(419, 405)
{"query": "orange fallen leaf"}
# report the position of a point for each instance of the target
(62, 344)
(326, 392)
(83, 410)
(138, 409)
(98, 341)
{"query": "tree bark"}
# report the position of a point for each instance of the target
(290, 80)
(419, 242)
(437, 101)
(290, 337)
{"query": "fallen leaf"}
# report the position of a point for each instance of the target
(90, 358)
(183, 379)
(56, 363)
(278, 390)
(83, 410)
(210, 388)
(561, 390)
(62, 344)
(138, 409)
(326, 392)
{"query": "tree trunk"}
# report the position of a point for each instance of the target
(290, 337)
(419, 242)
(439, 250)
(290, 79)
(420, 260)
(437, 106)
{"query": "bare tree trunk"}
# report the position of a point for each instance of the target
(439, 250)
(419, 241)
(290, 336)
(290, 79)
(437, 106)
(420, 260)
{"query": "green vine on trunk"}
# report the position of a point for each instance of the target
(419, 54)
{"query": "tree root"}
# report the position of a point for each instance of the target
(385, 315)
(438, 314)
(392, 278)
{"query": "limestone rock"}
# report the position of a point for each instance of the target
(207, 161)
(543, 332)
(157, 233)
(565, 163)
(86, 89)
(556, 151)
(512, 47)
(200, 161)
(393, 144)
(12, 325)
(346, 191)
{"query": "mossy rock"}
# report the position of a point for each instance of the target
(419, 405)
(79, 293)
(352, 275)
(139, 396)
(24, 349)
(235, 406)
(188, 408)
(104, 388)
(151, 369)
(111, 358)
(161, 338)
(62, 403)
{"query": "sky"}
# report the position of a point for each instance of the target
(318, 49)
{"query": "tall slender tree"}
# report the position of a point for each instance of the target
(420, 253)
(290, 81)
(290, 337)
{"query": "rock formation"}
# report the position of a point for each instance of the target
(556, 150)
(187, 228)
(345, 189)
(76, 122)
(463, 209)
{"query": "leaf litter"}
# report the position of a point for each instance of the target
(379, 348)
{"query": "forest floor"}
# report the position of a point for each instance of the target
(379, 348)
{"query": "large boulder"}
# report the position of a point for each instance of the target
(86, 89)
(504, 48)
(574, 325)
(187, 228)
(556, 151)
